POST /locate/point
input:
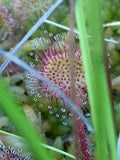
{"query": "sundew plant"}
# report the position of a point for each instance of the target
(59, 80)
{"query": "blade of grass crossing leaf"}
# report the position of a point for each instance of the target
(84, 45)
(99, 71)
(101, 105)
(89, 78)
(12, 110)
(100, 85)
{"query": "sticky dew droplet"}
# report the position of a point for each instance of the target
(57, 115)
(32, 64)
(50, 107)
(70, 114)
(87, 114)
(31, 53)
(41, 105)
(34, 47)
(36, 57)
(32, 92)
(77, 37)
(63, 116)
(63, 109)
(45, 31)
(50, 111)
(35, 99)
(84, 102)
(107, 54)
(64, 123)
(77, 118)
(28, 76)
(39, 95)
(50, 34)
(61, 100)
(85, 94)
(47, 94)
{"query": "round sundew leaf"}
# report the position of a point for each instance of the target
(54, 64)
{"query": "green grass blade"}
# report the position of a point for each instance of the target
(96, 81)
(101, 151)
(12, 110)
(99, 70)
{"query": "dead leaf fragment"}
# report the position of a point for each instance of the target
(31, 116)
(3, 121)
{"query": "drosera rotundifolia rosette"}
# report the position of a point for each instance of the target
(53, 61)
(55, 65)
